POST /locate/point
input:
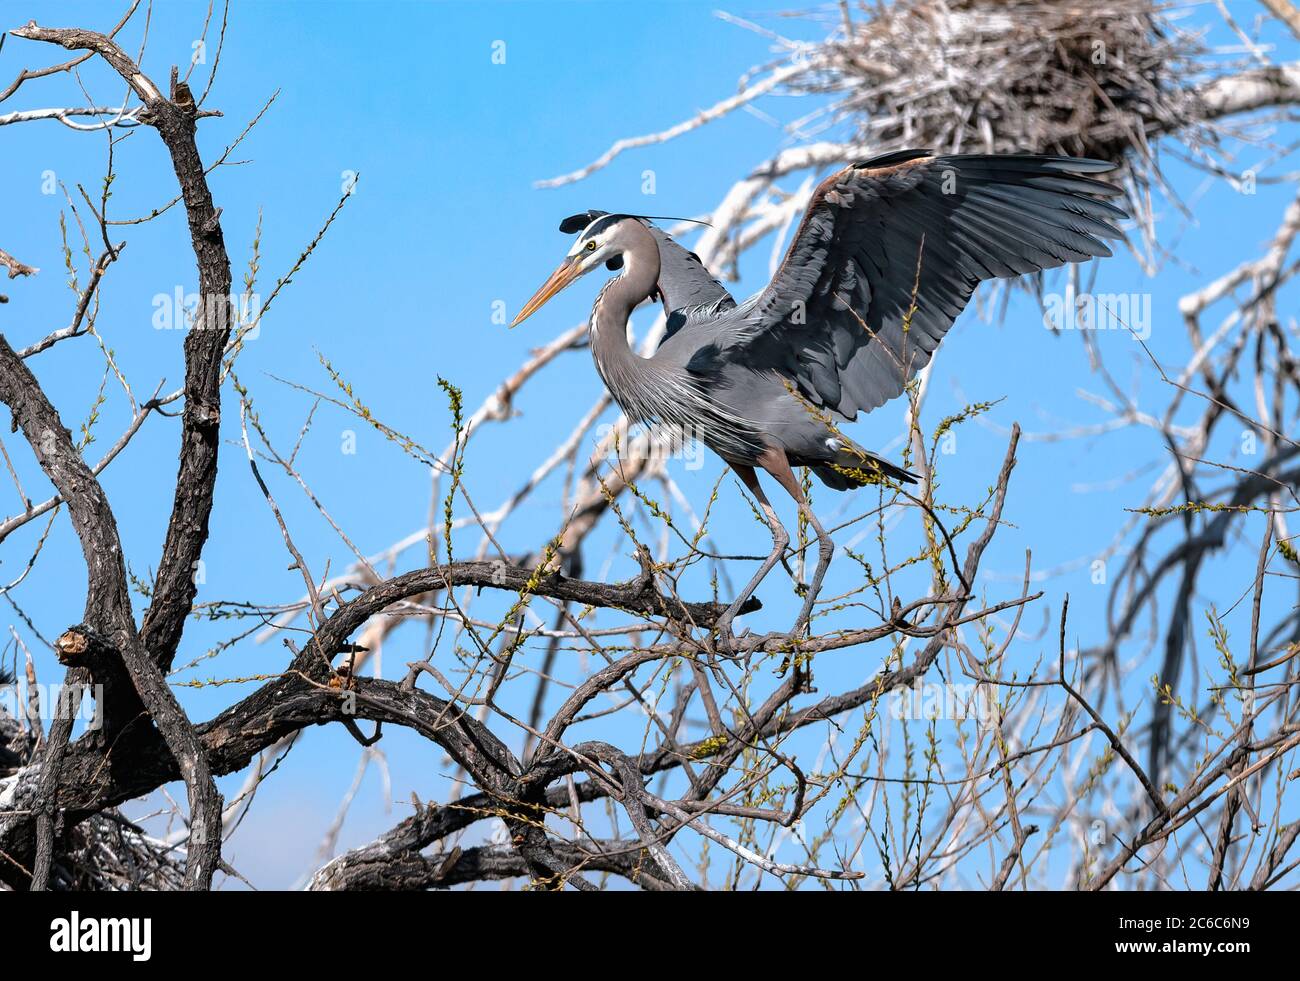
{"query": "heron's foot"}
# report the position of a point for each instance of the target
(800, 627)
(724, 640)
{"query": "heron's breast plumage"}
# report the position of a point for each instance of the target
(657, 391)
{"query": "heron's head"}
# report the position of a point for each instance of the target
(603, 240)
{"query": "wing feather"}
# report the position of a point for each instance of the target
(835, 321)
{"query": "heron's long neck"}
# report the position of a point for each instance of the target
(618, 364)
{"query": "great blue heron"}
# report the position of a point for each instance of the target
(886, 257)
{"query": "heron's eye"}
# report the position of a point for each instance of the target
(591, 246)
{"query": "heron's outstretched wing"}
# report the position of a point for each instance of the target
(902, 228)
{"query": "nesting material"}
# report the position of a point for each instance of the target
(1089, 79)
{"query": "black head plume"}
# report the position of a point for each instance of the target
(576, 223)
(693, 221)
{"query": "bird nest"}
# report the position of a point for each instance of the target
(1059, 76)
(1087, 78)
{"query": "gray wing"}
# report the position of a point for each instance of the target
(902, 228)
(686, 287)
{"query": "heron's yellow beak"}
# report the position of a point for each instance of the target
(570, 269)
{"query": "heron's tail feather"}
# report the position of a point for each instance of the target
(855, 467)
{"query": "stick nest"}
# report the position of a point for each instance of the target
(1073, 77)
(1000, 76)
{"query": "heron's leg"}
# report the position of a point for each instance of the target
(780, 539)
(775, 462)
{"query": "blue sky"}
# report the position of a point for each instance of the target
(445, 222)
